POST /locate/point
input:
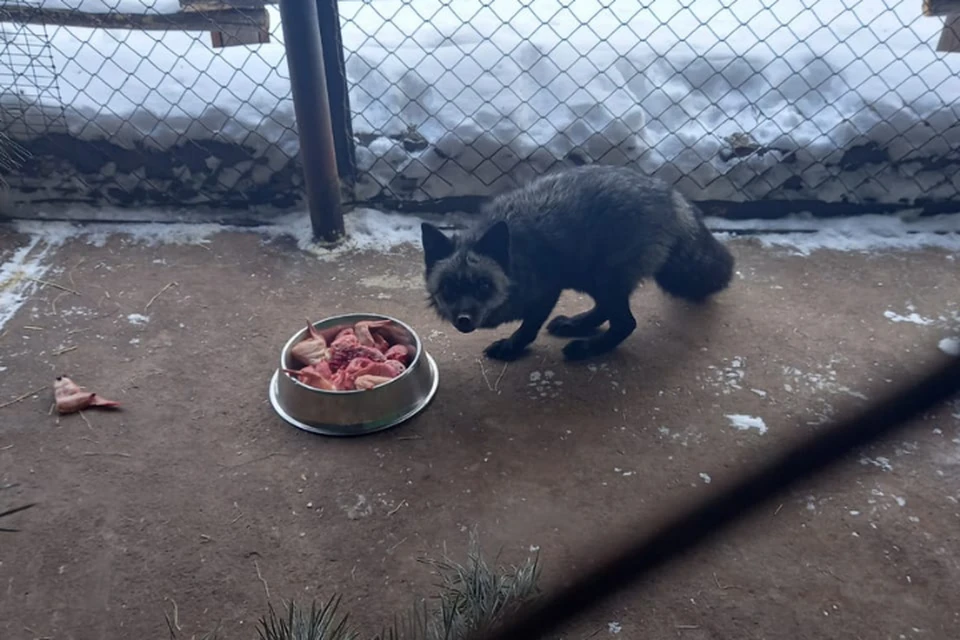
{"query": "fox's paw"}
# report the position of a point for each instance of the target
(567, 327)
(504, 350)
(580, 350)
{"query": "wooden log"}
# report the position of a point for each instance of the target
(181, 21)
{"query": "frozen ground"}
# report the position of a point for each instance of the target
(812, 100)
(373, 230)
(196, 499)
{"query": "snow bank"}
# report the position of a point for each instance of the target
(372, 230)
(805, 234)
(801, 99)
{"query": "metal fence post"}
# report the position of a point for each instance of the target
(337, 89)
(301, 34)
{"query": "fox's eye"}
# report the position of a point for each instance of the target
(484, 288)
(448, 290)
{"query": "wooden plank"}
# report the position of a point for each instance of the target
(230, 36)
(950, 35)
(240, 36)
(208, 5)
(940, 7)
(182, 21)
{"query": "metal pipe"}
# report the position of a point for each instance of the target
(301, 35)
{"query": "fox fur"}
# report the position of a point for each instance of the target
(596, 229)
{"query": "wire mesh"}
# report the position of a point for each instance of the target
(29, 77)
(802, 101)
(154, 109)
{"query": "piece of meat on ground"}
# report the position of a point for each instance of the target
(71, 397)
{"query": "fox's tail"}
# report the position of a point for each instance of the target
(698, 265)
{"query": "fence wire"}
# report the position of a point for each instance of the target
(137, 102)
(636, 559)
(791, 99)
(850, 104)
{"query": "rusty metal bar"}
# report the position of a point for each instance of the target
(338, 91)
(301, 34)
(693, 527)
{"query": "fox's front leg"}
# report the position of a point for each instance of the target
(535, 314)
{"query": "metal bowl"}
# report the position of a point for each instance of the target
(351, 413)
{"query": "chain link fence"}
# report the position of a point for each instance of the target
(144, 102)
(812, 103)
(847, 103)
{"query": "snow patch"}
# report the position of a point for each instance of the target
(543, 385)
(19, 275)
(614, 628)
(745, 423)
(366, 230)
(729, 377)
(138, 319)
(818, 383)
(913, 318)
(706, 478)
(880, 462)
(950, 346)
(861, 234)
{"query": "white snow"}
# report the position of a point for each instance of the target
(505, 87)
(867, 233)
(913, 318)
(19, 275)
(614, 628)
(880, 461)
(706, 478)
(138, 319)
(950, 346)
(367, 230)
(744, 423)
(374, 230)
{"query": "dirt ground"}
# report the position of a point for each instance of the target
(197, 494)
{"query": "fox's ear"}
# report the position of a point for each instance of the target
(495, 243)
(436, 246)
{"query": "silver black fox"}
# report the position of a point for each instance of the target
(596, 229)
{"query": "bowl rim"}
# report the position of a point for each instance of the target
(295, 338)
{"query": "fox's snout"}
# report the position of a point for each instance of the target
(464, 323)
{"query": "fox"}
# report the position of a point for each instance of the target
(595, 229)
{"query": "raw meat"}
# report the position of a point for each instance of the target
(70, 397)
(399, 353)
(368, 338)
(311, 350)
(369, 381)
(346, 358)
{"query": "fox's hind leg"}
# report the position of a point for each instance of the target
(581, 325)
(615, 305)
(536, 313)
